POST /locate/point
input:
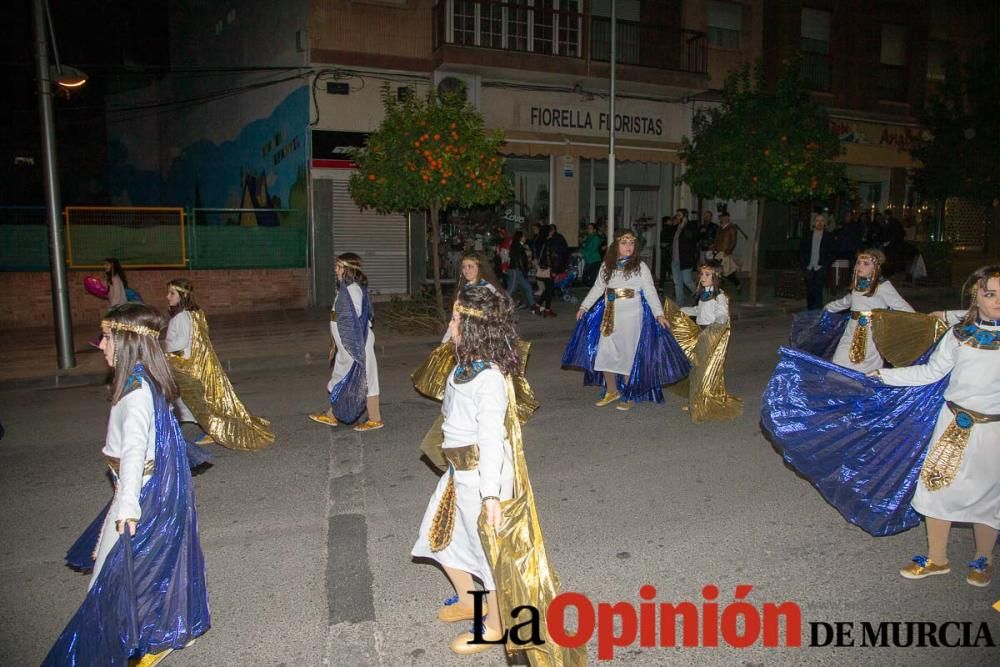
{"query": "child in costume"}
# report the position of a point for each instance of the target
(431, 376)
(115, 289)
(353, 384)
(207, 396)
(616, 340)
(857, 348)
(960, 477)
(147, 594)
(706, 341)
(481, 521)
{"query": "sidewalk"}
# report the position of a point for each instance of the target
(289, 338)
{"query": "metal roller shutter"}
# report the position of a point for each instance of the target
(381, 241)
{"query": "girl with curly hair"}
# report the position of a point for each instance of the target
(207, 396)
(147, 593)
(621, 339)
(353, 385)
(481, 522)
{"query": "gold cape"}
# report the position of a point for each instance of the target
(209, 395)
(516, 552)
(705, 387)
(902, 337)
(431, 377)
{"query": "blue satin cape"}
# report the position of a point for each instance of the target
(659, 360)
(349, 397)
(168, 600)
(861, 443)
(818, 332)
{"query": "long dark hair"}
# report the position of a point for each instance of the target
(352, 269)
(491, 337)
(116, 270)
(611, 259)
(484, 271)
(132, 347)
(977, 281)
(185, 290)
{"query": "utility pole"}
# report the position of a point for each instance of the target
(611, 132)
(53, 203)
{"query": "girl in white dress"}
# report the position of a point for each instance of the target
(480, 461)
(624, 282)
(857, 348)
(354, 303)
(960, 478)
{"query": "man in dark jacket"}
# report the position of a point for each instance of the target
(558, 251)
(683, 254)
(816, 251)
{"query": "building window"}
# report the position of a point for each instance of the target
(815, 44)
(892, 70)
(537, 26)
(725, 23)
(937, 59)
(627, 39)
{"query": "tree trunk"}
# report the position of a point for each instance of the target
(436, 258)
(755, 253)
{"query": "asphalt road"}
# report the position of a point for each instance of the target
(307, 543)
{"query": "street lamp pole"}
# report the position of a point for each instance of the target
(53, 203)
(611, 132)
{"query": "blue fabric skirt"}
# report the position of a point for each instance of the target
(659, 360)
(859, 442)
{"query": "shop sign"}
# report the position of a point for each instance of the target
(558, 118)
(900, 137)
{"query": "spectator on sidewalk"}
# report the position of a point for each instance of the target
(590, 249)
(683, 255)
(707, 231)
(816, 251)
(517, 273)
(502, 259)
(723, 249)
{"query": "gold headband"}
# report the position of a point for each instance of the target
(469, 312)
(628, 235)
(871, 258)
(134, 328)
(349, 265)
(182, 290)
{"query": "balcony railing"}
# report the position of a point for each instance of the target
(815, 72)
(510, 26)
(516, 25)
(649, 45)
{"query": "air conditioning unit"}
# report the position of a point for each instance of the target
(459, 83)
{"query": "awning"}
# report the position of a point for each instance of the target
(521, 142)
(877, 156)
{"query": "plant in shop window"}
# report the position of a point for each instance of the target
(429, 154)
(763, 143)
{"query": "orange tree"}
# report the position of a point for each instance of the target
(763, 145)
(429, 154)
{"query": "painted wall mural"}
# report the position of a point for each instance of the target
(264, 166)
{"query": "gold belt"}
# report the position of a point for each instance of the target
(859, 342)
(333, 316)
(611, 295)
(443, 523)
(115, 465)
(942, 462)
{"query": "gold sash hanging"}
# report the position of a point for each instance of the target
(210, 396)
(902, 337)
(942, 462)
(859, 342)
(443, 523)
(518, 557)
(610, 296)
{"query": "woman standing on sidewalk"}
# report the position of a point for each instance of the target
(206, 395)
(147, 594)
(481, 522)
(549, 263)
(621, 339)
(353, 384)
(517, 271)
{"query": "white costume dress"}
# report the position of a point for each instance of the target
(616, 353)
(885, 296)
(712, 311)
(974, 495)
(342, 361)
(132, 440)
(178, 339)
(474, 413)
